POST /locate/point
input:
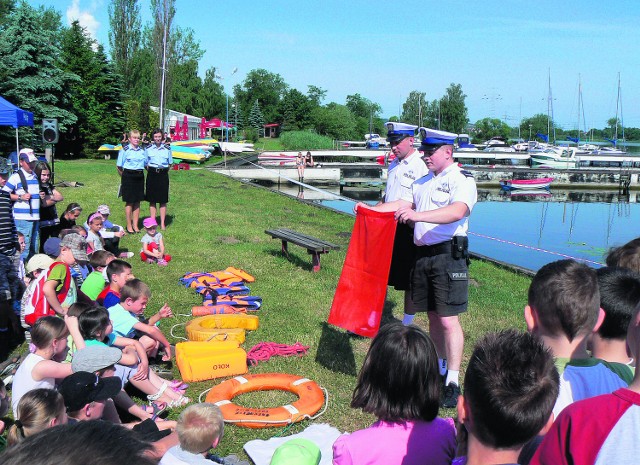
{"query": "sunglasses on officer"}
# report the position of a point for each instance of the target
(429, 151)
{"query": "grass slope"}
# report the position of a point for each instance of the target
(217, 222)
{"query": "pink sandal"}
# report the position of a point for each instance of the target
(178, 386)
(157, 408)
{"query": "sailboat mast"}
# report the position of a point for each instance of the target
(620, 102)
(579, 103)
(549, 105)
(550, 124)
(617, 108)
(584, 120)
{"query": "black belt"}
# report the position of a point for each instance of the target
(435, 249)
(126, 170)
(154, 169)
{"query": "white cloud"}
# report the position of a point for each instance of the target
(86, 18)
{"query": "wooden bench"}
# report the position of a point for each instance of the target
(314, 246)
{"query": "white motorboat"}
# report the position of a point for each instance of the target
(530, 146)
(555, 157)
(587, 148)
(609, 151)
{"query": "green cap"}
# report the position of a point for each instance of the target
(297, 452)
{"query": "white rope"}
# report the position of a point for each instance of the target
(203, 393)
(177, 337)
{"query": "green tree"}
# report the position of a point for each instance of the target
(295, 108)
(336, 121)
(362, 107)
(256, 120)
(163, 12)
(613, 127)
(142, 79)
(453, 110)
(211, 101)
(536, 124)
(96, 98)
(184, 97)
(29, 73)
(431, 115)
(110, 121)
(487, 128)
(414, 108)
(78, 58)
(266, 87)
(124, 37)
(6, 9)
(316, 94)
(238, 118)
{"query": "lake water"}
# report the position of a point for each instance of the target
(527, 230)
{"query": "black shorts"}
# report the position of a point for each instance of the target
(404, 255)
(440, 284)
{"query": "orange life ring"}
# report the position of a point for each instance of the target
(310, 400)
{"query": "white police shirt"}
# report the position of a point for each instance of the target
(436, 191)
(402, 174)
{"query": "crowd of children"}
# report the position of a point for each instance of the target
(564, 392)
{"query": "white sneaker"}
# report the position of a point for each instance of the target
(126, 255)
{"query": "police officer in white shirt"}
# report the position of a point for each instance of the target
(439, 208)
(403, 171)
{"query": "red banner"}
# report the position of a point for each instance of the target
(359, 298)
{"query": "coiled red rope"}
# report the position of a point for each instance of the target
(265, 350)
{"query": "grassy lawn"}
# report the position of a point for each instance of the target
(268, 144)
(217, 222)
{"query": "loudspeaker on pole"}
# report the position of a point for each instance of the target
(50, 130)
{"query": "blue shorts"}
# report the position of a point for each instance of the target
(125, 373)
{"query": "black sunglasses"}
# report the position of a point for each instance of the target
(430, 151)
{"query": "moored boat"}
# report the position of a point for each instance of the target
(526, 184)
(555, 157)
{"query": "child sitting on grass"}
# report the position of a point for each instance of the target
(126, 315)
(199, 428)
(95, 241)
(619, 295)
(510, 387)
(400, 384)
(43, 367)
(57, 291)
(118, 273)
(111, 233)
(38, 410)
(133, 366)
(564, 309)
(95, 282)
(153, 244)
(599, 430)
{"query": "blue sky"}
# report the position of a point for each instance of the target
(500, 51)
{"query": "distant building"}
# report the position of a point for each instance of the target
(172, 117)
(271, 130)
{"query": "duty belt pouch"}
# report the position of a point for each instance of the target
(460, 247)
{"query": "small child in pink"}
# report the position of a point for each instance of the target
(400, 384)
(153, 244)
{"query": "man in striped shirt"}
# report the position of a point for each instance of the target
(8, 249)
(26, 198)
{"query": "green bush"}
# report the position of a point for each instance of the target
(305, 140)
